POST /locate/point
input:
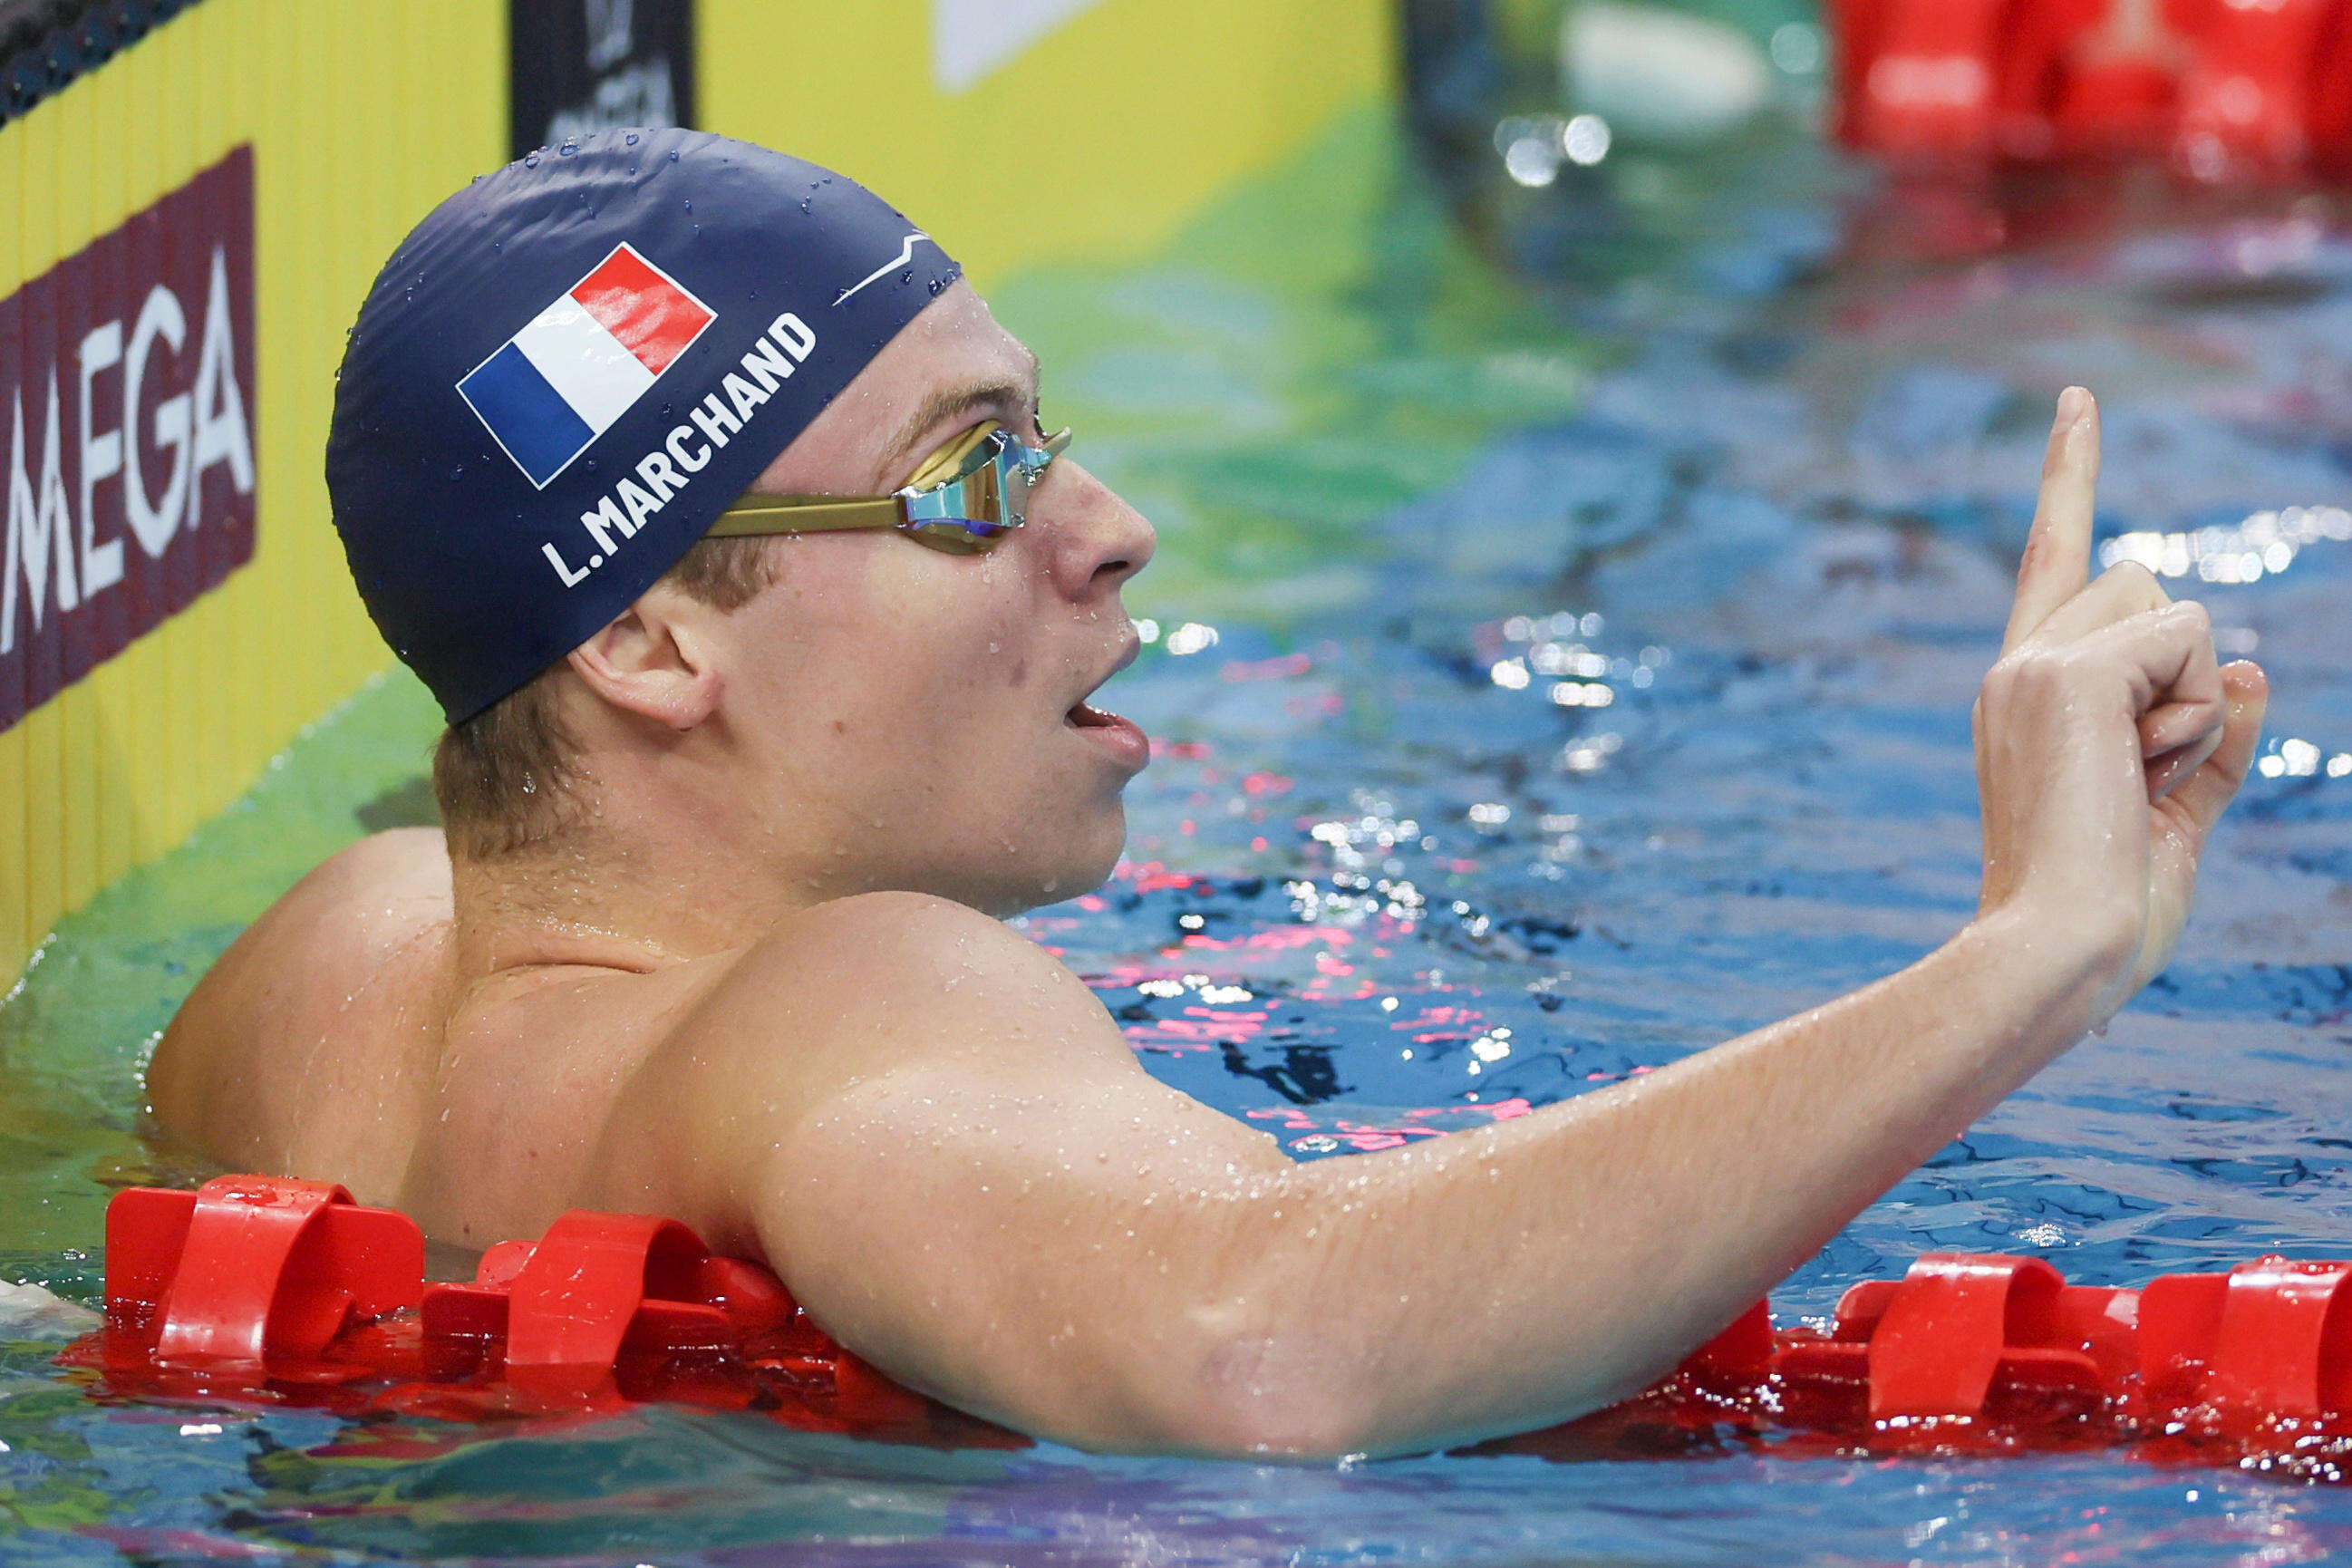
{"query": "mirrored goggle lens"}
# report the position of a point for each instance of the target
(956, 535)
(971, 513)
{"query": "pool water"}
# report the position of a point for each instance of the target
(1567, 611)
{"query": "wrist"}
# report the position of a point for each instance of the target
(2076, 961)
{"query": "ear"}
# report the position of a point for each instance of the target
(654, 661)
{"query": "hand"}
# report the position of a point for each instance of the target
(2107, 740)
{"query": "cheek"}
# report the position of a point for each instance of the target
(967, 625)
(927, 654)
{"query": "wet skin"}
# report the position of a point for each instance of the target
(758, 987)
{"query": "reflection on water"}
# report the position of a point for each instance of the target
(1562, 645)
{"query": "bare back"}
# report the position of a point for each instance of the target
(333, 1041)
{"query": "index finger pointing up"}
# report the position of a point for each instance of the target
(2057, 560)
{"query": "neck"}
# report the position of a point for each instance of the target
(576, 904)
(663, 854)
(622, 890)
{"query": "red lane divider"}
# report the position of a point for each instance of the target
(2269, 1341)
(1992, 1354)
(2216, 85)
(253, 1265)
(1963, 1343)
(279, 1291)
(282, 1291)
(1919, 76)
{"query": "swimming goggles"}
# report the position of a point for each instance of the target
(965, 499)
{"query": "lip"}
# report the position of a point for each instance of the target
(1122, 739)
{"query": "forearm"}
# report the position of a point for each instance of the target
(1550, 1265)
(1140, 1272)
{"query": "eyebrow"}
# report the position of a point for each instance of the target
(949, 401)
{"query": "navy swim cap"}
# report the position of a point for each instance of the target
(569, 369)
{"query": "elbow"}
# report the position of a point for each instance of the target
(1240, 1351)
(1262, 1400)
(1262, 1397)
(1257, 1364)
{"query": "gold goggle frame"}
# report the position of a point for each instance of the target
(964, 499)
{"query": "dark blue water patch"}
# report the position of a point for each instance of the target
(2311, 996)
(2297, 800)
(2332, 863)
(1921, 413)
(1864, 887)
(1539, 502)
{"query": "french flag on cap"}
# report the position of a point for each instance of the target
(583, 362)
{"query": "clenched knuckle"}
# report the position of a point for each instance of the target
(2134, 578)
(2022, 677)
(2042, 669)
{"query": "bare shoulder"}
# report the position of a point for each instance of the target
(931, 1128)
(837, 1001)
(908, 974)
(882, 980)
(358, 935)
(353, 908)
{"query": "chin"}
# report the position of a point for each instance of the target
(1086, 865)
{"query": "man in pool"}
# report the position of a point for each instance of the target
(737, 787)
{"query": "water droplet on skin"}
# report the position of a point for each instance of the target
(631, 140)
(530, 160)
(567, 149)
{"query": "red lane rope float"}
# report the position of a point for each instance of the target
(2212, 83)
(264, 1290)
(1992, 1355)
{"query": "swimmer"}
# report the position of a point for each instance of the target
(739, 787)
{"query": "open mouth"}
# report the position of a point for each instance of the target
(1084, 715)
(1122, 739)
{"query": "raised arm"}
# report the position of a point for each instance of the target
(991, 1200)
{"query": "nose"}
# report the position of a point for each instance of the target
(1097, 541)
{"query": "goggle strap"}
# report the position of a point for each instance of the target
(757, 515)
